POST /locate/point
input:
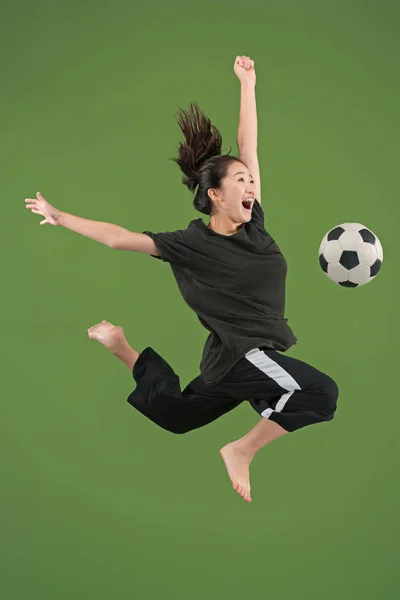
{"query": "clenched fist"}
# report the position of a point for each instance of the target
(244, 69)
(40, 206)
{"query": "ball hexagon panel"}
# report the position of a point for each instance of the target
(360, 275)
(367, 255)
(333, 251)
(379, 249)
(351, 240)
(337, 272)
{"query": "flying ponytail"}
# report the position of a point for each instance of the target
(199, 155)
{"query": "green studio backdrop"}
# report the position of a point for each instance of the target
(96, 501)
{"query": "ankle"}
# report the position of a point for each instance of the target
(244, 447)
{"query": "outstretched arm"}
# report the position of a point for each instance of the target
(247, 130)
(108, 234)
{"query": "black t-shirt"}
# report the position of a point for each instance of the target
(236, 286)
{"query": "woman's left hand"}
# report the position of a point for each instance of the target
(244, 69)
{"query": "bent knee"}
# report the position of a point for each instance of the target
(329, 394)
(331, 390)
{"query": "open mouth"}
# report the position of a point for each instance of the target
(247, 204)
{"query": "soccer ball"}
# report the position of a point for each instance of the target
(350, 255)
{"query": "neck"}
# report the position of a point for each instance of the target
(223, 227)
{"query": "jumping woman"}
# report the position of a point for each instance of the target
(232, 274)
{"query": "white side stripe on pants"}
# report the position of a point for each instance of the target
(260, 360)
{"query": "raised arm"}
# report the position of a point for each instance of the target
(108, 234)
(247, 130)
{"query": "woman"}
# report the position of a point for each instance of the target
(232, 274)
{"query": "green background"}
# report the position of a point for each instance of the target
(96, 501)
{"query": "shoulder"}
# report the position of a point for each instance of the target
(257, 216)
(175, 245)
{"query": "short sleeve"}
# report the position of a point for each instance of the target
(174, 246)
(257, 216)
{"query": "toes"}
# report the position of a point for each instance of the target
(243, 491)
(240, 490)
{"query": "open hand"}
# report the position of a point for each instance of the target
(40, 206)
(244, 69)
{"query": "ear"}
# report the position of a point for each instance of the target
(212, 194)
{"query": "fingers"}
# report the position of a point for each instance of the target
(34, 205)
(34, 208)
(34, 202)
(31, 202)
(38, 198)
(245, 62)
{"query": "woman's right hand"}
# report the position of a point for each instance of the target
(40, 206)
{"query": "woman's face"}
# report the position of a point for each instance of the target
(236, 196)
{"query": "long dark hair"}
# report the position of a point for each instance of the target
(199, 156)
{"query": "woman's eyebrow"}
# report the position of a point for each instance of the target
(242, 173)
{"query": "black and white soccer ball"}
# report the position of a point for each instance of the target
(350, 255)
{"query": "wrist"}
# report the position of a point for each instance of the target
(248, 85)
(59, 217)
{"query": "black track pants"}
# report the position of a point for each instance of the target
(280, 388)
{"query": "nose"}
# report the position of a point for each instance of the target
(250, 189)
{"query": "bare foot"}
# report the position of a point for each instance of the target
(238, 466)
(113, 338)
